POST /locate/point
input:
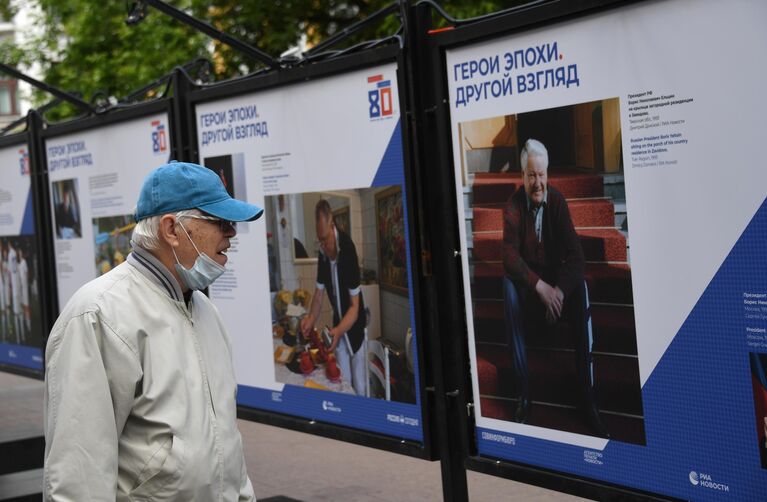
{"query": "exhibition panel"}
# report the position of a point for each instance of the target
(95, 169)
(21, 325)
(321, 145)
(611, 213)
(531, 244)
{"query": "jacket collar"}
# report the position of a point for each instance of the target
(155, 271)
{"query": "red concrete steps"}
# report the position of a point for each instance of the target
(622, 428)
(584, 212)
(592, 212)
(487, 281)
(488, 376)
(607, 282)
(599, 244)
(500, 409)
(603, 244)
(489, 331)
(491, 188)
(487, 218)
(612, 326)
(553, 378)
(614, 329)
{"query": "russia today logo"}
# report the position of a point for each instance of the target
(159, 139)
(380, 100)
(706, 481)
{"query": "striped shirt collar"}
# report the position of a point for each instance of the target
(538, 212)
(155, 271)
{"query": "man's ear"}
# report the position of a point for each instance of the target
(167, 231)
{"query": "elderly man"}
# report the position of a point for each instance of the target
(544, 284)
(338, 273)
(140, 388)
(67, 221)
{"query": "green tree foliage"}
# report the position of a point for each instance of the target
(87, 48)
(276, 26)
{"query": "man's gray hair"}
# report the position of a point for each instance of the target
(534, 148)
(146, 233)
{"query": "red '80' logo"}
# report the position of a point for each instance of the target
(159, 139)
(380, 98)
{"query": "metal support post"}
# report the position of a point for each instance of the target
(443, 335)
(63, 95)
(41, 202)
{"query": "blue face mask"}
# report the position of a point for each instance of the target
(204, 271)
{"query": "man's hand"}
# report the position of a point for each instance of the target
(552, 299)
(336, 338)
(307, 324)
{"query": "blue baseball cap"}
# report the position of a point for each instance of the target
(177, 186)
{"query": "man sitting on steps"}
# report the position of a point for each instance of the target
(544, 279)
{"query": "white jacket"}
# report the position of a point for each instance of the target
(140, 394)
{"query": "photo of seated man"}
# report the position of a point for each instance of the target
(544, 282)
(67, 210)
(338, 274)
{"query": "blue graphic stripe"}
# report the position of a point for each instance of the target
(22, 356)
(400, 420)
(28, 221)
(391, 170)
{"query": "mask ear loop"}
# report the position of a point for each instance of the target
(190, 240)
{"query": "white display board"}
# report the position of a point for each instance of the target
(95, 177)
(337, 139)
(21, 335)
(652, 112)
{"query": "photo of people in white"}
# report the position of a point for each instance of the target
(18, 293)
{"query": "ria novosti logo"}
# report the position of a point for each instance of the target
(159, 138)
(706, 481)
(380, 98)
(24, 161)
(329, 406)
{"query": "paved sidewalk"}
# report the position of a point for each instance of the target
(312, 468)
(21, 412)
(301, 466)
